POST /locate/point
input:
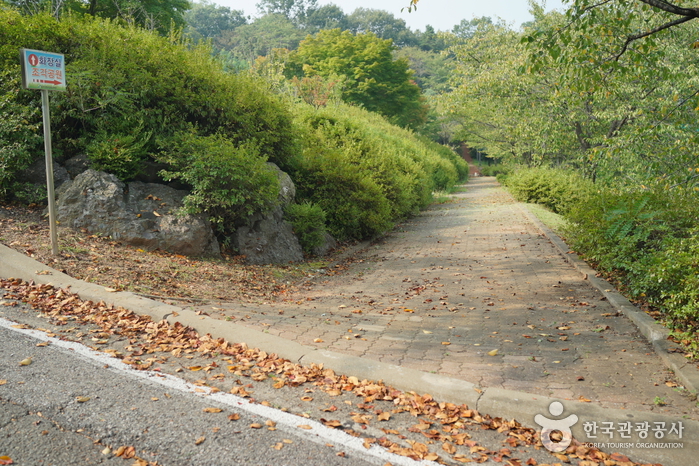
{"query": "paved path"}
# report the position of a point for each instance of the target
(449, 288)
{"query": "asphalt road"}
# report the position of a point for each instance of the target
(67, 406)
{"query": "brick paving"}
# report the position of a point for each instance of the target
(473, 290)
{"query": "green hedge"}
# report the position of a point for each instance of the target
(557, 189)
(127, 85)
(649, 241)
(364, 172)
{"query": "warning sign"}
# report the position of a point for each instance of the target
(43, 70)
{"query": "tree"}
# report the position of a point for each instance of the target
(372, 77)
(466, 29)
(638, 70)
(208, 20)
(259, 38)
(160, 15)
(381, 23)
(328, 16)
(294, 10)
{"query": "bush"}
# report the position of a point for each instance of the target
(649, 241)
(495, 170)
(229, 183)
(557, 189)
(364, 172)
(308, 220)
(126, 82)
(120, 154)
(20, 136)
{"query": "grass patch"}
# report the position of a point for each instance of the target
(552, 220)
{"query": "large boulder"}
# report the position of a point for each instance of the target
(36, 174)
(140, 214)
(266, 238)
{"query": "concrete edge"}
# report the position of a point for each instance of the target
(656, 334)
(506, 404)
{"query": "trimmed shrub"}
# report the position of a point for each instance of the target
(229, 183)
(557, 189)
(308, 220)
(364, 172)
(126, 83)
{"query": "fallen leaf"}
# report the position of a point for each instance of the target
(25, 362)
(426, 331)
(584, 400)
(82, 399)
(212, 410)
(199, 441)
(234, 417)
(493, 352)
(278, 446)
(20, 326)
(106, 451)
(256, 425)
(305, 426)
(111, 290)
(317, 340)
(5, 460)
(385, 416)
(306, 398)
(41, 345)
(3, 382)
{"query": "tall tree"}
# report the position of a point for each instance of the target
(372, 77)
(381, 23)
(208, 20)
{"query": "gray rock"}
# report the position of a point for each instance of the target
(328, 244)
(36, 174)
(140, 214)
(267, 238)
(287, 189)
(76, 165)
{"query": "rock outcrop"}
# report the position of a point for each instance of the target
(266, 238)
(140, 214)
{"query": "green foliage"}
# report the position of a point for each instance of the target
(20, 132)
(127, 83)
(649, 241)
(364, 172)
(163, 16)
(208, 20)
(308, 220)
(557, 189)
(120, 154)
(229, 182)
(373, 78)
(496, 169)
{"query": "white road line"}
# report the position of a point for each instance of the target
(318, 432)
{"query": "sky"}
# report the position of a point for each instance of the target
(443, 15)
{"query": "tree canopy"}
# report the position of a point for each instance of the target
(371, 76)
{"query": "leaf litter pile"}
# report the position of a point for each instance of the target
(405, 423)
(157, 274)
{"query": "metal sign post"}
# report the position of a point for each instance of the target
(45, 71)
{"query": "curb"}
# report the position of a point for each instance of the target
(502, 403)
(656, 334)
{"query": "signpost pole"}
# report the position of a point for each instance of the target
(49, 170)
